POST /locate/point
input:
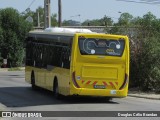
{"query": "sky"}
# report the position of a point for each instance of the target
(87, 9)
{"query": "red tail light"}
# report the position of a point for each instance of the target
(74, 80)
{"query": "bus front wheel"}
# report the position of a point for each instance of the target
(34, 87)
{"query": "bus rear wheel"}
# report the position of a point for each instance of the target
(56, 90)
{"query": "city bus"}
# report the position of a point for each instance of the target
(78, 62)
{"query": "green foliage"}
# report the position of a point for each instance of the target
(54, 21)
(15, 69)
(125, 19)
(1, 43)
(144, 34)
(1, 60)
(144, 42)
(105, 21)
(124, 22)
(145, 65)
(13, 32)
(39, 12)
(71, 23)
(34, 14)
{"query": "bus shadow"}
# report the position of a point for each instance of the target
(25, 96)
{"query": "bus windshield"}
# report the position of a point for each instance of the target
(95, 46)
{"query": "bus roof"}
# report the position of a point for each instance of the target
(69, 32)
(60, 31)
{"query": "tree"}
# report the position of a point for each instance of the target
(105, 21)
(54, 21)
(145, 62)
(144, 37)
(1, 43)
(13, 32)
(38, 17)
(147, 24)
(28, 13)
(123, 24)
(125, 19)
(39, 13)
(71, 23)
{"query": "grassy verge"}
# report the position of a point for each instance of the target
(15, 69)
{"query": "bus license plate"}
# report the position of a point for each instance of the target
(99, 86)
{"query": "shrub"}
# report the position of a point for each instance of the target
(145, 65)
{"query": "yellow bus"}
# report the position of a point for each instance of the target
(78, 62)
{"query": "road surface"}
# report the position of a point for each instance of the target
(17, 95)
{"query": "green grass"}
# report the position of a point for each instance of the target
(14, 69)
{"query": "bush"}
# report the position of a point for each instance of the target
(13, 32)
(1, 60)
(145, 65)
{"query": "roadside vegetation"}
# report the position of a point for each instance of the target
(144, 34)
(15, 69)
(13, 31)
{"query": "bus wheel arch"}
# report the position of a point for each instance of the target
(34, 87)
(56, 88)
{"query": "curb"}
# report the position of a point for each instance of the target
(2, 107)
(7, 69)
(3, 69)
(153, 97)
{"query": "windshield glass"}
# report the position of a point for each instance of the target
(94, 46)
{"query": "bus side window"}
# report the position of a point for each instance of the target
(65, 60)
(68, 58)
(29, 51)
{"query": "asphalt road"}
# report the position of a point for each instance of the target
(17, 95)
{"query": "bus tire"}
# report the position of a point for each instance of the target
(34, 87)
(108, 99)
(56, 89)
